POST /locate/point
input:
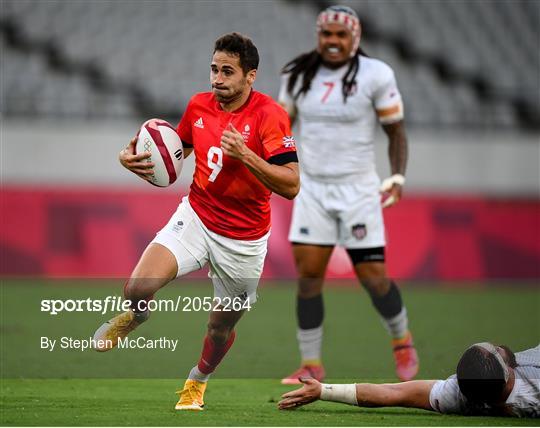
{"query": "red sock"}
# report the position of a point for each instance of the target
(213, 353)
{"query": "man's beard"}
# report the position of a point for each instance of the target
(227, 97)
(220, 96)
(232, 94)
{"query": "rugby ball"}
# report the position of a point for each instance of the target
(160, 139)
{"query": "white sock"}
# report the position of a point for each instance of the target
(398, 325)
(310, 343)
(196, 374)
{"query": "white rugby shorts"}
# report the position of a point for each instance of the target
(347, 214)
(235, 265)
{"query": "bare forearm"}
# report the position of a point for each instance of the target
(408, 394)
(397, 147)
(372, 395)
(281, 179)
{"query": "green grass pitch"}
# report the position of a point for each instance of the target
(136, 387)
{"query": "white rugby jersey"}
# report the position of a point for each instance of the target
(523, 401)
(335, 139)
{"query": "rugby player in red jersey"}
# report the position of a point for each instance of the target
(244, 151)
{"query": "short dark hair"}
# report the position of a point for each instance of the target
(480, 376)
(241, 46)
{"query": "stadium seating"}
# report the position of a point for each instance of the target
(153, 55)
(498, 39)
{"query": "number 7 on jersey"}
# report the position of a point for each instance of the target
(330, 86)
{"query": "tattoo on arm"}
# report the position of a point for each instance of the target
(397, 147)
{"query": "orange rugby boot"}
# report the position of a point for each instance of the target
(191, 397)
(406, 357)
(315, 371)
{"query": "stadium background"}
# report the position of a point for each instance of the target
(79, 77)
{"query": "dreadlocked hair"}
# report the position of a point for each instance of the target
(307, 64)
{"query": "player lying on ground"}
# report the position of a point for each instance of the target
(243, 152)
(489, 380)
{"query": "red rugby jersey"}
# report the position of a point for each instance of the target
(226, 196)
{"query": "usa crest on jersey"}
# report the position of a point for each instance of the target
(359, 231)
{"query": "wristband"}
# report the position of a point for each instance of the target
(342, 393)
(390, 181)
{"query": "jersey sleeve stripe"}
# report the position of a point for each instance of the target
(390, 111)
(283, 158)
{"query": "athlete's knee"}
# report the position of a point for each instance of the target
(309, 287)
(310, 269)
(376, 286)
(137, 289)
(156, 267)
(310, 278)
(219, 332)
(372, 276)
(131, 289)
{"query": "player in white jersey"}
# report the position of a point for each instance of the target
(337, 96)
(489, 380)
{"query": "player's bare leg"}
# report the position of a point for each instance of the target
(157, 267)
(311, 262)
(219, 339)
(387, 301)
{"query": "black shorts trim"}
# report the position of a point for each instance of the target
(366, 255)
(283, 158)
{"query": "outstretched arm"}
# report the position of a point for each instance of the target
(414, 393)
(406, 394)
